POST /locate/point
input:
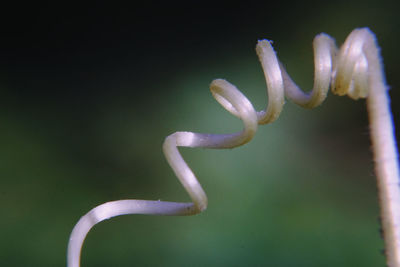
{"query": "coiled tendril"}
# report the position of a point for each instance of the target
(354, 70)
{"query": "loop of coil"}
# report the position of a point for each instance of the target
(344, 70)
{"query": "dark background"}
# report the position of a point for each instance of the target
(89, 91)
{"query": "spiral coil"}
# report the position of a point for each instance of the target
(346, 71)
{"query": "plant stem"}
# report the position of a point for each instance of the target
(385, 153)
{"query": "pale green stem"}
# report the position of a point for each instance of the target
(385, 153)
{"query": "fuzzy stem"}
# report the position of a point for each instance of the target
(385, 153)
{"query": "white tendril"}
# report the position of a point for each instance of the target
(355, 70)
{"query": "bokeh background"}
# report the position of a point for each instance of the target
(88, 93)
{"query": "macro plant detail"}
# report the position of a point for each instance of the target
(354, 70)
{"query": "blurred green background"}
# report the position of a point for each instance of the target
(88, 93)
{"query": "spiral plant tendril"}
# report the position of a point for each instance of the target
(355, 70)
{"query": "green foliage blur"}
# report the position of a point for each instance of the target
(88, 94)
